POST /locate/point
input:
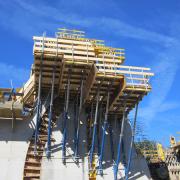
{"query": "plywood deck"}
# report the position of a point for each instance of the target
(99, 66)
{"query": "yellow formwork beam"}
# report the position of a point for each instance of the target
(92, 171)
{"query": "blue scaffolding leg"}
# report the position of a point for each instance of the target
(38, 109)
(119, 145)
(50, 116)
(94, 130)
(75, 120)
(111, 140)
(65, 121)
(79, 116)
(103, 135)
(132, 143)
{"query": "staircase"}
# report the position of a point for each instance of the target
(32, 165)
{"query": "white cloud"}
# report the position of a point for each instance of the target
(165, 68)
(35, 18)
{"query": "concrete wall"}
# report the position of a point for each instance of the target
(14, 145)
(13, 148)
(55, 169)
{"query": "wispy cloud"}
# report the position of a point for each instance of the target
(165, 67)
(16, 74)
(35, 18)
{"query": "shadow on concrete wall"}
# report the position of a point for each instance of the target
(138, 168)
(22, 131)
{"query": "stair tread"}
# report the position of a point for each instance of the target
(33, 162)
(32, 175)
(32, 168)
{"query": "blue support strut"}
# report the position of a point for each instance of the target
(111, 140)
(65, 120)
(94, 130)
(75, 121)
(103, 135)
(79, 116)
(120, 144)
(131, 145)
(50, 115)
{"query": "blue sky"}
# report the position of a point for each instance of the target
(148, 30)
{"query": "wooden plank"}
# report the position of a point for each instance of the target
(65, 51)
(89, 82)
(63, 41)
(82, 57)
(125, 67)
(118, 93)
(76, 50)
(66, 46)
(126, 72)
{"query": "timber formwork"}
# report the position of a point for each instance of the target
(70, 65)
(100, 66)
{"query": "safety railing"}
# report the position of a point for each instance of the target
(135, 76)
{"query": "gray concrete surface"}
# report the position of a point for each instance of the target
(13, 148)
(14, 145)
(54, 168)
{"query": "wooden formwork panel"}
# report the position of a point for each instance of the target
(75, 72)
(103, 82)
(48, 65)
(76, 50)
(126, 98)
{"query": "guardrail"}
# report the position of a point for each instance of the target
(135, 76)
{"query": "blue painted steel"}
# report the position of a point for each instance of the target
(119, 145)
(50, 113)
(78, 120)
(75, 123)
(65, 118)
(102, 147)
(64, 135)
(131, 145)
(94, 130)
(111, 140)
(93, 143)
(103, 135)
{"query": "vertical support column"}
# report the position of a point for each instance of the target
(75, 109)
(50, 115)
(94, 129)
(79, 116)
(51, 105)
(103, 135)
(38, 109)
(132, 143)
(120, 144)
(111, 140)
(65, 119)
